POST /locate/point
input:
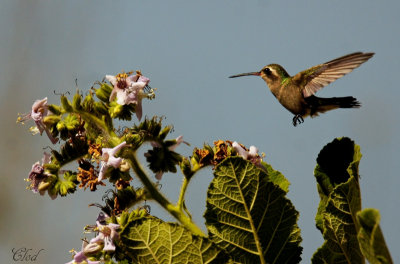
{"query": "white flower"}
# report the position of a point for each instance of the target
(37, 174)
(251, 155)
(109, 159)
(179, 140)
(38, 112)
(128, 90)
(80, 258)
(107, 234)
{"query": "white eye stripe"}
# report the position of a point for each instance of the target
(270, 71)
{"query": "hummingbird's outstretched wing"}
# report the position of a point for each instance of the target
(321, 75)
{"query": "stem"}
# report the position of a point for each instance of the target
(100, 124)
(181, 199)
(175, 211)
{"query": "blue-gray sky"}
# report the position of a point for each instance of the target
(188, 49)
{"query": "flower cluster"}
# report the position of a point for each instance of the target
(81, 127)
(221, 150)
(103, 242)
(84, 128)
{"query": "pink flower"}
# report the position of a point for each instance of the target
(80, 257)
(38, 112)
(104, 241)
(251, 155)
(107, 234)
(179, 140)
(37, 174)
(109, 159)
(129, 90)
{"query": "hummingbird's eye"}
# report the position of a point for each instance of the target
(267, 71)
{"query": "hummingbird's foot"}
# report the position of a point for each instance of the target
(297, 119)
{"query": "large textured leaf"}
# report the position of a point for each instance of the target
(150, 240)
(371, 239)
(277, 177)
(250, 217)
(338, 187)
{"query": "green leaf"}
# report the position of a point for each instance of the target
(149, 240)
(277, 177)
(339, 190)
(339, 226)
(250, 217)
(370, 237)
(66, 185)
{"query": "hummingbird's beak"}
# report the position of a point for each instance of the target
(245, 74)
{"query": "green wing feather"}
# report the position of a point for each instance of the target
(317, 77)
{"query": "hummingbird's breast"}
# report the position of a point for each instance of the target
(291, 98)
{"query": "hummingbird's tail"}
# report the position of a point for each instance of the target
(321, 105)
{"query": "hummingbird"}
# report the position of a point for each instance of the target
(296, 93)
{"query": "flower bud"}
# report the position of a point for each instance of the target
(209, 148)
(93, 248)
(164, 132)
(43, 186)
(155, 128)
(76, 102)
(124, 166)
(142, 194)
(135, 140)
(122, 219)
(103, 93)
(51, 168)
(186, 168)
(100, 108)
(66, 104)
(71, 122)
(194, 160)
(51, 120)
(61, 126)
(115, 109)
(142, 212)
(88, 103)
(55, 109)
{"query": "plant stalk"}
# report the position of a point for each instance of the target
(175, 211)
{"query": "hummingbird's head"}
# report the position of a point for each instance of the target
(271, 74)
